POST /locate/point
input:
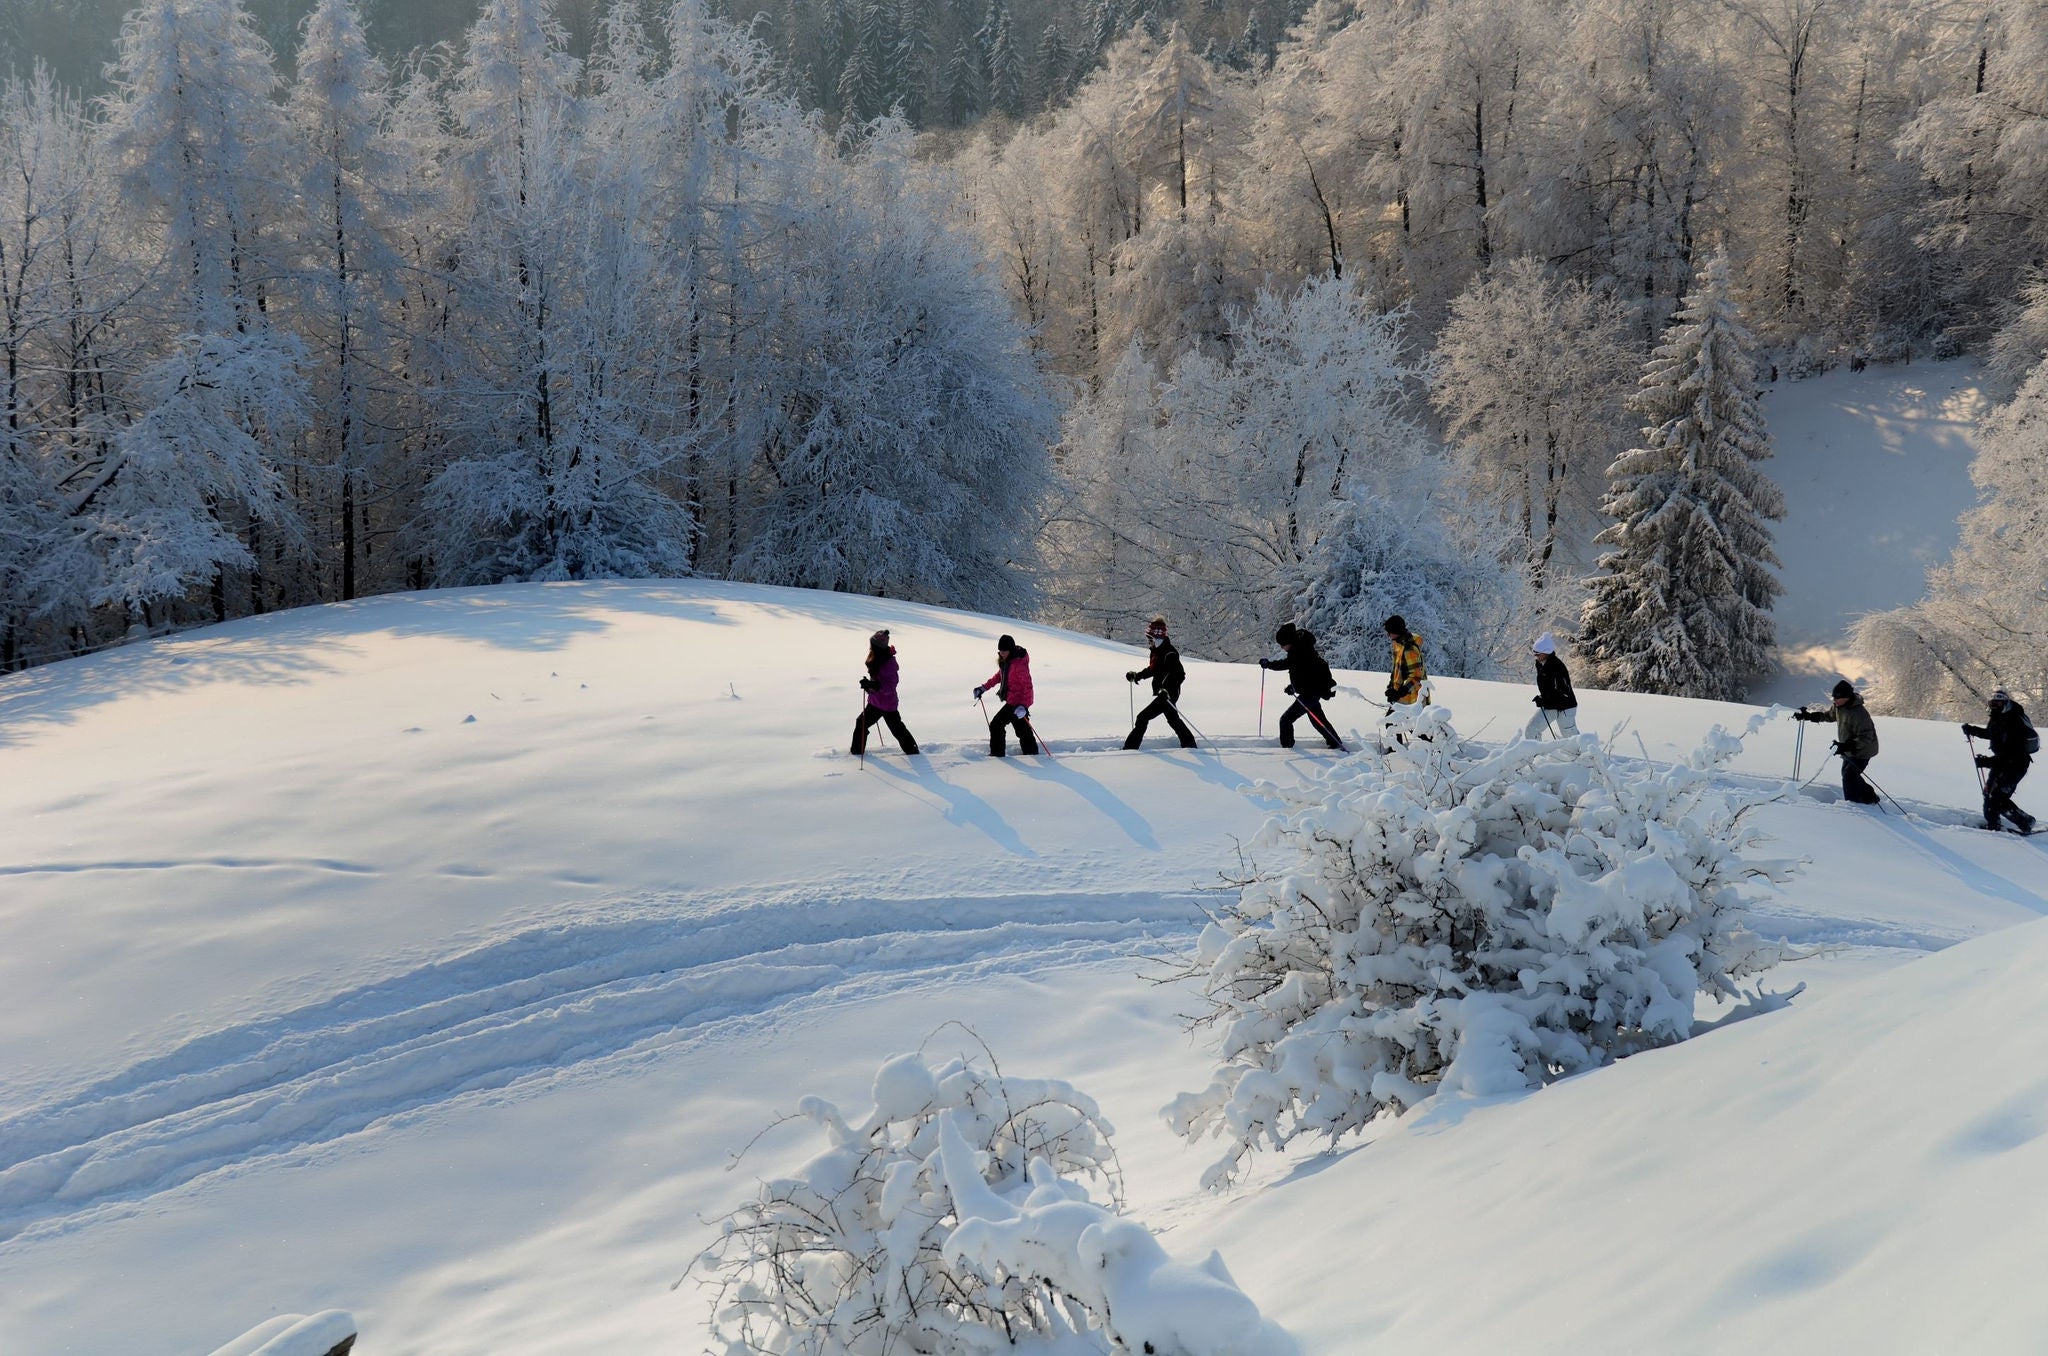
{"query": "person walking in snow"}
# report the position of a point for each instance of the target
(2013, 744)
(1855, 740)
(880, 685)
(1405, 675)
(1012, 682)
(1557, 706)
(1309, 682)
(1167, 674)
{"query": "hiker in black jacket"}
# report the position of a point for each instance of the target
(1855, 740)
(1167, 674)
(1557, 706)
(2013, 742)
(1309, 682)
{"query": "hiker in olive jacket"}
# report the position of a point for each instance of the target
(1855, 740)
(1167, 674)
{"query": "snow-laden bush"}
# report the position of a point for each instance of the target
(1443, 917)
(954, 1220)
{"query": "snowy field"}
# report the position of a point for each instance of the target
(1875, 466)
(432, 956)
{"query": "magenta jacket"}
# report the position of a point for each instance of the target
(1012, 681)
(883, 698)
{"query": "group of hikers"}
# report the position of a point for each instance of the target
(1310, 683)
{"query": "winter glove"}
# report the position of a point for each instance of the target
(1023, 713)
(867, 685)
(1984, 760)
(1390, 692)
(978, 691)
(1289, 689)
(1537, 700)
(1131, 677)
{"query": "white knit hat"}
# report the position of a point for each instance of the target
(1544, 644)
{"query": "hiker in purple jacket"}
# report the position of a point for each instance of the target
(880, 685)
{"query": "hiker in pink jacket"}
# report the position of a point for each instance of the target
(1012, 682)
(880, 685)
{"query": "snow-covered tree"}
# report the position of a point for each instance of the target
(955, 1218)
(1254, 460)
(201, 152)
(1430, 559)
(903, 449)
(1684, 604)
(1533, 374)
(1449, 919)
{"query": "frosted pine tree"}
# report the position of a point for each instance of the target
(1684, 605)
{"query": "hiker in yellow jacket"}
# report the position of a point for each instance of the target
(1406, 676)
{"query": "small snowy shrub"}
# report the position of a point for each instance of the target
(1449, 918)
(954, 1220)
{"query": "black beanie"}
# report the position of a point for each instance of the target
(1843, 689)
(1285, 635)
(1005, 643)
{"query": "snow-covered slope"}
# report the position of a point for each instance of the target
(429, 956)
(1875, 466)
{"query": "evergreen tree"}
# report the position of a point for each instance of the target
(1054, 61)
(1005, 66)
(1684, 606)
(964, 88)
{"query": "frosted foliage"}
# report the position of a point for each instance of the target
(956, 1219)
(1208, 498)
(1383, 557)
(1684, 605)
(1444, 918)
(1981, 623)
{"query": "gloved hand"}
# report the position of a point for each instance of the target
(1131, 677)
(1288, 690)
(1023, 713)
(1537, 700)
(1390, 692)
(867, 685)
(1985, 760)
(978, 691)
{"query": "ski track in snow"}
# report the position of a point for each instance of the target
(530, 1004)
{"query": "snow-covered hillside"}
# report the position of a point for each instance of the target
(431, 956)
(1875, 467)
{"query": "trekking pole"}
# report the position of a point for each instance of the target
(1798, 745)
(1982, 790)
(1886, 794)
(1262, 701)
(1131, 700)
(1548, 721)
(1043, 746)
(1200, 733)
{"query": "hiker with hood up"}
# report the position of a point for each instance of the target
(880, 685)
(1309, 682)
(1855, 740)
(1167, 674)
(1405, 675)
(2013, 745)
(1012, 684)
(1557, 706)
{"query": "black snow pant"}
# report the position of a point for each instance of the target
(1999, 784)
(1313, 709)
(1162, 705)
(1854, 788)
(869, 716)
(1006, 717)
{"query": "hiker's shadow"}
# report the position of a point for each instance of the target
(956, 803)
(1095, 793)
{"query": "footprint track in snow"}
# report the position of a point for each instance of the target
(545, 999)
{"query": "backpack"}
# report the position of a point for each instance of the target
(1321, 681)
(2030, 738)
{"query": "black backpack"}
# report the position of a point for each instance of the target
(2030, 738)
(1322, 684)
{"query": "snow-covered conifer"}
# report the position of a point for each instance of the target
(1447, 919)
(1683, 605)
(955, 1219)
